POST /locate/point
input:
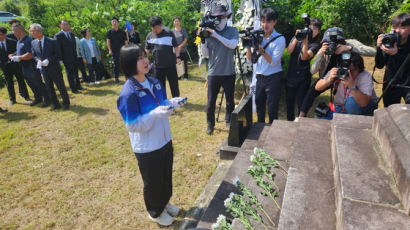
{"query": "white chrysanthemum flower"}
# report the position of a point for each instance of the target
(255, 150)
(220, 218)
(250, 167)
(252, 158)
(215, 226)
(236, 180)
(227, 201)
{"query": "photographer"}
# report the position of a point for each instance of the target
(393, 58)
(333, 45)
(220, 48)
(299, 77)
(354, 93)
(268, 68)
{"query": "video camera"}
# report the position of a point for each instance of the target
(252, 38)
(208, 22)
(306, 31)
(331, 49)
(343, 70)
(391, 38)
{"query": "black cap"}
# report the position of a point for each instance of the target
(339, 31)
(220, 10)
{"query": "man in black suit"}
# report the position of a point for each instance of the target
(8, 46)
(11, 23)
(67, 46)
(47, 55)
(25, 59)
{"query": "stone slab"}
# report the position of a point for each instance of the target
(395, 147)
(227, 152)
(359, 170)
(359, 216)
(352, 121)
(280, 138)
(400, 113)
(309, 201)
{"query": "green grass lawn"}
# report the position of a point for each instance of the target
(75, 169)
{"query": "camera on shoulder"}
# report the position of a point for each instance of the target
(306, 31)
(391, 38)
(252, 38)
(208, 21)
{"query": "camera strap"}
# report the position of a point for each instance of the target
(266, 45)
(374, 69)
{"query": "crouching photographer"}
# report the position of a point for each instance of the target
(219, 46)
(333, 45)
(353, 88)
(392, 50)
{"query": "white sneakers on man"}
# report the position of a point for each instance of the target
(172, 209)
(166, 218)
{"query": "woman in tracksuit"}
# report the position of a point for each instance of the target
(145, 109)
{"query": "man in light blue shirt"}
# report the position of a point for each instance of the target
(268, 67)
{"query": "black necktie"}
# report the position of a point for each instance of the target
(41, 48)
(3, 48)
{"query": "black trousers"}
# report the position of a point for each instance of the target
(10, 70)
(169, 73)
(71, 70)
(36, 84)
(394, 95)
(116, 58)
(310, 97)
(214, 85)
(296, 92)
(184, 57)
(156, 171)
(94, 70)
(268, 89)
(57, 79)
(81, 67)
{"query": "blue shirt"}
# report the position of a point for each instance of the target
(275, 50)
(23, 47)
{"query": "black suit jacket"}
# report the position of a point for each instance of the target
(68, 47)
(11, 49)
(50, 52)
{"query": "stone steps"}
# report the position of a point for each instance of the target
(366, 193)
(262, 136)
(392, 129)
(349, 173)
(309, 196)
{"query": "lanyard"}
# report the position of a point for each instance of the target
(346, 91)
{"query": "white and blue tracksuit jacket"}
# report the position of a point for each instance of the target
(147, 133)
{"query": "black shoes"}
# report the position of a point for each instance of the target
(117, 81)
(76, 91)
(27, 99)
(3, 110)
(210, 130)
(66, 107)
(35, 102)
(55, 106)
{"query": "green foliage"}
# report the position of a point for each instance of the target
(10, 6)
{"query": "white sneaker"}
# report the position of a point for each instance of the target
(164, 219)
(172, 209)
(91, 83)
(97, 82)
(296, 119)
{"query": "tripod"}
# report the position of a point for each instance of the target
(243, 82)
